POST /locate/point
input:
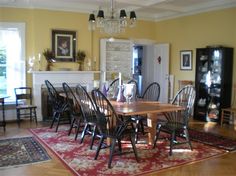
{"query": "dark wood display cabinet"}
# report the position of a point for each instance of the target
(213, 82)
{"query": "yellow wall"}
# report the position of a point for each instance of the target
(184, 33)
(196, 31)
(39, 24)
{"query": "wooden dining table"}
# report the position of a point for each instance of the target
(152, 109)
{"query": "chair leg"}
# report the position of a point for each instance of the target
(112, 149)
(71, 126)
(172, 142)
(58, 121)
(134, 147)
(77, 129)
(99, 147)
(35, 116)
(157, 135)
(142, 127)
(187, 138)
(53, 119)
(30, 115)
(18, 117)
(119, 145)
(93, 136)
(83, 133)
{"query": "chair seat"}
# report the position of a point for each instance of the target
(26, 110)
(174, 126)
(25, 106)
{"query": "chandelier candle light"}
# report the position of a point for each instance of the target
(112, 24)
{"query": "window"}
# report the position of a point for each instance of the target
(12, 58)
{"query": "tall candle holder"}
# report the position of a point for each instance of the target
(120, 96)
(128, 92)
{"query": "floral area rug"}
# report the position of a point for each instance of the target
(21, 151)
(213, 140)
(80, 159)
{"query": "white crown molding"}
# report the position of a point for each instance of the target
(162, 9)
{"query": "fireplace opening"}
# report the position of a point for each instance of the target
(47, 111)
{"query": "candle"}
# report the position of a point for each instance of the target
(119, 78)
(39, 61)
(104, 76)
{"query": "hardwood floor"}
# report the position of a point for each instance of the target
(219, 166)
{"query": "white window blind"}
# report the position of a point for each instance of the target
(12, 49)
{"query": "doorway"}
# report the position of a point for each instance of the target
(151, 64)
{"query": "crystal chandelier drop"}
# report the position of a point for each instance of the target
(111, 24)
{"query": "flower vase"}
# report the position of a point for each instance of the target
(81, 66)
(48, 67)
(104, 90)
(120, 96)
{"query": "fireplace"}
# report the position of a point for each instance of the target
(72, 78)
(47, 111)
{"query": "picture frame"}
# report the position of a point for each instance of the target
(64, 45)
(186, 60)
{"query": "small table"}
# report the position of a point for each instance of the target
(149, 108)
(3, 122)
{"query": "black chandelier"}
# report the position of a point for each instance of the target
(112, 24)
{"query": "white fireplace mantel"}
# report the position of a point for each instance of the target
(72, 78)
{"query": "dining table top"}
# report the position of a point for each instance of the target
(143, 107)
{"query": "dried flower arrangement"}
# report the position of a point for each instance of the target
(49, 56)
(81, 55)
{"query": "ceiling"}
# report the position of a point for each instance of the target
(155, 10)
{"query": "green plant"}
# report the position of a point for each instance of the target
(49, 55)
(81, 55)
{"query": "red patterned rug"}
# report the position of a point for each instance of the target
(213, 140)
(80, 159)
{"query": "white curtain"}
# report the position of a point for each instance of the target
(12, 37)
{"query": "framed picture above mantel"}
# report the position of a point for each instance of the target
(64, 45)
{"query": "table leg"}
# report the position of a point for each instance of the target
(151, 123)
(3, 122)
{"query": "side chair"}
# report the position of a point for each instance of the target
(110, 126)
(88, 113)
(176, 123)
(151, 93)
(113, 88)
(74, 110)
(24, 104)
(59, 105)
(228, 113)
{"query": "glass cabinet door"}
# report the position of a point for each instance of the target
(215, 86)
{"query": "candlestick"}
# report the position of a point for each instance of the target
(119, 78)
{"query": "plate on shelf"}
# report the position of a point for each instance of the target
(203, 58)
